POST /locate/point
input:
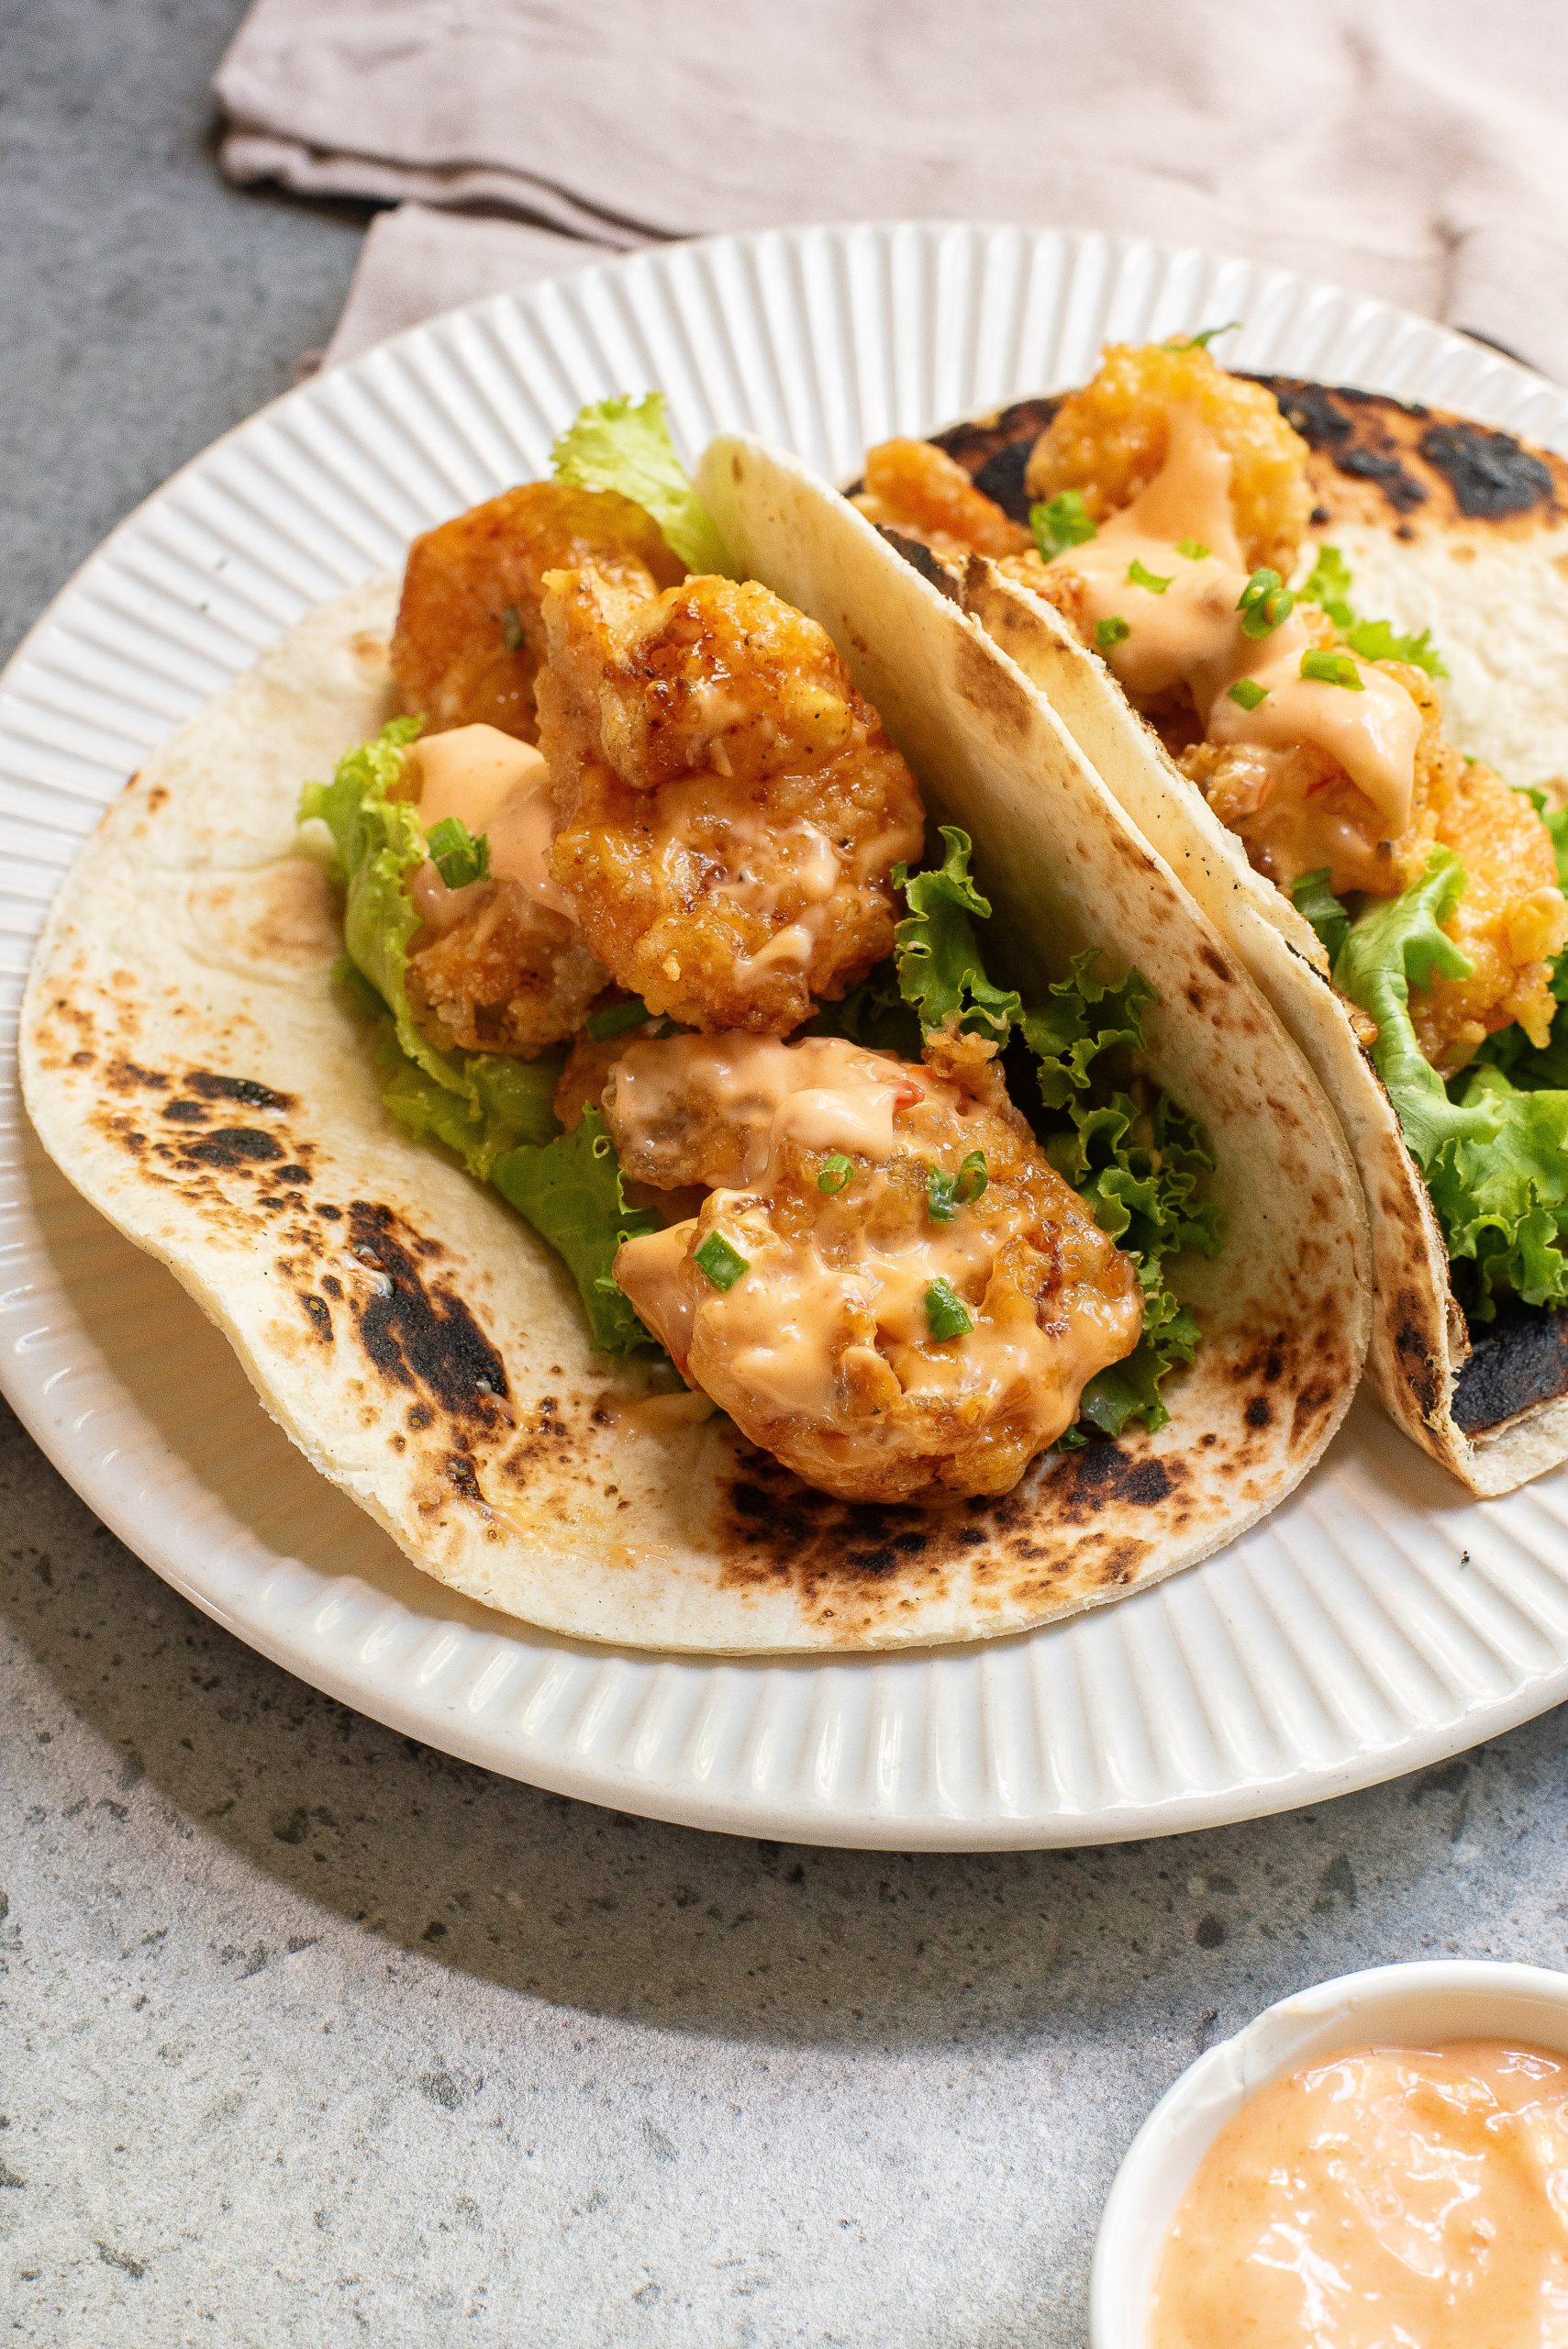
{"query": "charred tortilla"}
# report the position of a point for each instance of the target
(189, 1063)
(1447, 525)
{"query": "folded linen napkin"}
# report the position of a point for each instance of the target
(1412, 152)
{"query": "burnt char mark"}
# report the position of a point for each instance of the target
(1103, 1474)
(1001, 476)
(923, 559)
(1412, 1344)
(1311, 409)
(419, 1335)
(1490, 475)
(849, 1561)
(1401, 488)
(127, 1076)
(1353, 429)
(995, 449)
(245, 1090)
(1519, 1360)
(230, 1147)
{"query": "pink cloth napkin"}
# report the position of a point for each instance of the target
(1413, 151)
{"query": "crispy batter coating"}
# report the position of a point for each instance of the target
(1108, 441)
(729, 810)
(1511, 920)
(468, 642)
(1296, 812)
(495, 971)
(823, 1351)
(919, 487)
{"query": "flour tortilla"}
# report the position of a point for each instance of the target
(1447, 525)
(190, 1066)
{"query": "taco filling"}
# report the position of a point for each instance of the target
(631, 909)
(1169, 507)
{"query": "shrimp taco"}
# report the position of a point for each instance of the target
(550, 1014)
(1316, 642)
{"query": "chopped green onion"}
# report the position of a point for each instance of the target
(1138, 577)
(1263, 603)
(1115, 630)
(514, 635)
(1064, 522)
(457, 856)
(1247, 693)
(947, 1315)
(717, 1261)
(1201, 341)
(617, 1018)
(972, 1178)
(946, 1193)
(1332, 669)
(838, 1172)
(1194, 549)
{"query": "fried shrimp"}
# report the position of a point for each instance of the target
(917, 486)
(496, 964)
(1108, 441)
(729, 810)
(892, 1290)
(468, 642)
(1297, 811)
(492, 971)
(1510, 922)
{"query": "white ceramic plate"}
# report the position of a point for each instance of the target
(1376, 1623)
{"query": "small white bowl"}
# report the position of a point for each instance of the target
(1388, 2006)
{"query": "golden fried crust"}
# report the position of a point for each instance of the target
(1108, 442)
(1297, 811)
(1511, 920)
(468, 642)
(729, 810)
(829, 1311)
(919, 487)
(507, 976)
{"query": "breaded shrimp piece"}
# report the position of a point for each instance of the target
(917, 486)
(1511, 920)
(496, 964)
(729, 810)
(493, 971)
(1108, 441)
(468, 641)
(903, 1296)
(1297, 812)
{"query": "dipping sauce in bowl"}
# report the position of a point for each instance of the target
(1391, 2195)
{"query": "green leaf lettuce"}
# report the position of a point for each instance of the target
(1135, 1157)
(624, 444)
(1493, 1143)
(494, 1112)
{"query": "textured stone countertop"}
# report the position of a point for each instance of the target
(307, 2034)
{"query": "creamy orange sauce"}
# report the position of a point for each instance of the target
(497, 785)
(1391, 2199)
(1189, 632)
(733, 1111)
(767, 860)
(714, 1109)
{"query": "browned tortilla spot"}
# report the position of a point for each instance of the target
(421, 1335)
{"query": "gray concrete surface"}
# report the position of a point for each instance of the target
(307, 2034)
